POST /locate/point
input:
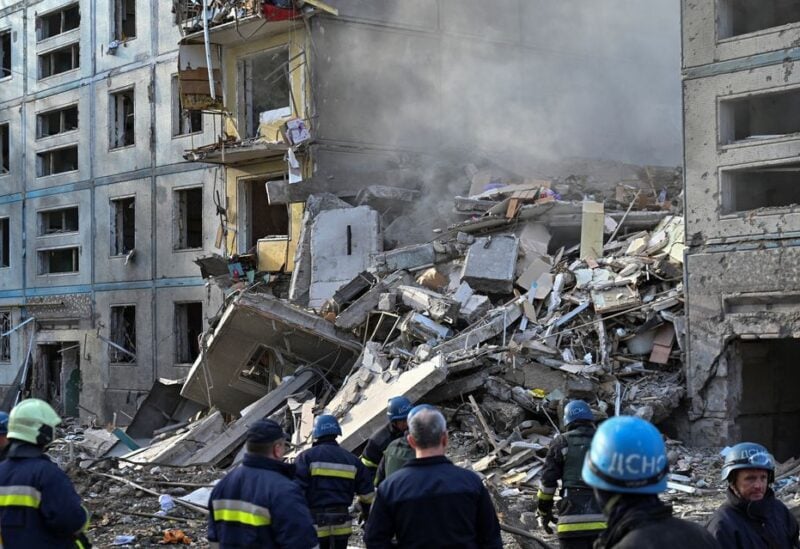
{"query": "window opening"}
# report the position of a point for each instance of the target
(57, 161)
(64, 220)
(189, 218)
(123, 333)
(58, 261)
(56, 121)
(59, 61)
(123, 225)
(122, 118)
(188, 328)
(58, 22)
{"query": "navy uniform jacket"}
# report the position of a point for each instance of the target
(330, 476)
(645, 521)
(740, 524)
(376, 446)
(39, 507)
(259, 505)
(432, 503)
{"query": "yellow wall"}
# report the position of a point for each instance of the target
(272, 254)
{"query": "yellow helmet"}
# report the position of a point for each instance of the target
(33, 420)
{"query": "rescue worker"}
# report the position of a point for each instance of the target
(397, 454)
(580, 519)
(258, 504)
(752, 517)
(39, 507)
(431, 502)
(397, 412)
(330, 476)
(627, 466)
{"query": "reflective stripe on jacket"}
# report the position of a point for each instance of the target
(259, 505)
(39, 507)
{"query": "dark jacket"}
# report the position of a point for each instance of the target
(330, 476)
(39, 507)
(376, 445)
(259, 505)
(740, 524)
(644, 522)
(432, 503)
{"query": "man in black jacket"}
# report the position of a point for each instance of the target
(752, 517)
(627, 466)
(430, 502)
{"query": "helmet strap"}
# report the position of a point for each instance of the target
(45, 435)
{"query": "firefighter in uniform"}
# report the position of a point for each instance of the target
(397, 412)
(580, 519)
(258, 504)
(627, 466)
(330, 476)
(39, 507)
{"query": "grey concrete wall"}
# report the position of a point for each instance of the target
(158, 276)
(702, 43)
(706, 157)
(722, 291)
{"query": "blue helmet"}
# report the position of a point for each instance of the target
(326, 425)
(748, 455)
(627, 456)
(398, 408)
(3, 423)
(577, 410)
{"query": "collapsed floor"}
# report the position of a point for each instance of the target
(527, 298)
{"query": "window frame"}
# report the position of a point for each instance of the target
(60, 11)
(75, 50)
(40, 160)
(61, 111)
(42, 214)
(76, 261)
(114, 98)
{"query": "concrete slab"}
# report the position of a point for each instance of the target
(259, 323)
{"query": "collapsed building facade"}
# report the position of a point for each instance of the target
(121, 167)
(741, 148)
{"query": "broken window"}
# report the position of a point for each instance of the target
(189, 218)
(64, 220)
(59, 61)
(5, 54)
(121, 116)
(257, 368)
(188, 328)
(769, 407)
(124, 19)
(184, 121)
(123, 334)
(264, 86)
(758, 117)
(738, 17)
(5, 242)
(58, 22)
(123, 225)
(5, 165)
(57, 161)
(762, 187)
(5, 341)
(56, 121)
(263, 220)
(58, 261)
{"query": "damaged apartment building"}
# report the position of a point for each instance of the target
(742, 143)
(100, 216)
(140, 136)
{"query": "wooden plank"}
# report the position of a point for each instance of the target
(490, 436)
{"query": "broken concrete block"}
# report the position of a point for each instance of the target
(592, 230)
(437, 306)
(342, 242)
(490, 264)
(475, 307)
(533, 273)
(423, 328)
(356, 314)
(387, 302)
(534, 239)
(496, 321)
(455, 388)
(354, 289)
(504, 415)
(536, 376)
(406, 258)
(463, 293)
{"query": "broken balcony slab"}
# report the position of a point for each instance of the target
(358, 311)
(492, 325)
(369, 413)
(257, 338)
(163, 406)
(490, 263)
